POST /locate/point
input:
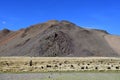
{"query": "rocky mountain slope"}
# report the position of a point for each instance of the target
(58, 38)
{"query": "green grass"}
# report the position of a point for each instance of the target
(62, 76)
(83, 76)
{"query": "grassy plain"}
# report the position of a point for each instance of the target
(58, 64)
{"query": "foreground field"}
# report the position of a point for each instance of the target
(47, 64)
(61, 76)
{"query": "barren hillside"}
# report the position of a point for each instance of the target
(58, 38)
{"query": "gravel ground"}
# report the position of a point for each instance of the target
(60, 76)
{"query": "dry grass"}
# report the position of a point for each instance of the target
(46, 64)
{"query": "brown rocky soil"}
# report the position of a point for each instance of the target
(58, 38)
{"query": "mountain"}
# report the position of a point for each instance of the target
(58, 38)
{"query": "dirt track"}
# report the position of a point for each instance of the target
(60, 76)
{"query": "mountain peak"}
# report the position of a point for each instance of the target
(56, 22)
(5, 31)
(58, 38)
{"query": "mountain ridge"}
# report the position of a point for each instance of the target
(58, 39)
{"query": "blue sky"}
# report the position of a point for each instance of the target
(100, 14)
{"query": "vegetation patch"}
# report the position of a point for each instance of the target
(59, 64)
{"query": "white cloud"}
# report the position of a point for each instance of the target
(3, 22)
